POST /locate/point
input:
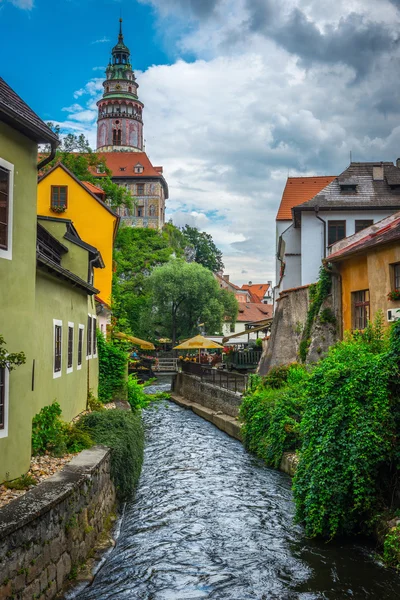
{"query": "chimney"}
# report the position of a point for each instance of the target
(270, 284)
(398, 163)
(226, 277)
(250, 283)
(377, 172)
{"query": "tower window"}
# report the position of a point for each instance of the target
(130, 88)
(116, 137)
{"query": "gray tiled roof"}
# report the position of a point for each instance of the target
(15, 112)
(369, 193)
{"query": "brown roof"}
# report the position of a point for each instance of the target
(299, 190)
(375, 236)
(369, 193)
(122, 164)
(252, 312)
(15, 112)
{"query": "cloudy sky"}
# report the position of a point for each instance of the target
(238, 94)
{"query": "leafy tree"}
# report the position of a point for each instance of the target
(10, 360)
(206, 252)
(137, 252)
(185, 295)
(75, 153)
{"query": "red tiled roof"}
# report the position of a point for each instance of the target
(388, 232)
(93, 188)
(257, 290)
(251, 312)
(116, 161)
(299, 190)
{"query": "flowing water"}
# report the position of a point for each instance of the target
(211, 521)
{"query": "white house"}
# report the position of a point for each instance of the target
(359, 197)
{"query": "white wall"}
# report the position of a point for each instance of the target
(239, 327)
(312, 236)
(290, 254)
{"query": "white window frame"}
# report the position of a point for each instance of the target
(4, 431)
(94, 333)
(89, 356)
(57, 374)
(7, 254)
(79, 366)
(72, 326)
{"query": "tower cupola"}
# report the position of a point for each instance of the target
(119, 123)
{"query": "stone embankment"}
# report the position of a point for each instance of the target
(46, 534)
(220, 407)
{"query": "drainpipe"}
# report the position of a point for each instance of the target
(324, 223)
(49, 158)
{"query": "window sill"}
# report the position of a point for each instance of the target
(57, 374)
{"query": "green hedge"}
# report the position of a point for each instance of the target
(122, 431)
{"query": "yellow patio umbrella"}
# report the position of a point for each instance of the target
(134, 340)
(198, 342)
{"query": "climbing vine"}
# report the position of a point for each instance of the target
(318, 292)
(10, 360)
(271, 412)
(348, 434)
(113, 361)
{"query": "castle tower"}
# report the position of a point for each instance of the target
(119, 123)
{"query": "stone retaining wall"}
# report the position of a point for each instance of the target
(48, 532)
(211, 396)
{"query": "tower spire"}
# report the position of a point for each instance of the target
(120, 124)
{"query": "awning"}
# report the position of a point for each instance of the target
(266, 325)
(134, 340)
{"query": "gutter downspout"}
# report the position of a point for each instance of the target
(50, 157)
(324, 223)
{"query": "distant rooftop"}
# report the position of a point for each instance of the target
(299, 190)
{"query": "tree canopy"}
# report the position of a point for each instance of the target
(185, 295)
(206, 252)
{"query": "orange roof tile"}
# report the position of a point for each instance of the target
(299, 190)
(93, 188)
(121, 164)
(251, 312)
(257, 290)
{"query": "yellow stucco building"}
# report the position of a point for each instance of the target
(62, 196)
(368, 264)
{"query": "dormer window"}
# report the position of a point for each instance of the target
(100, 169)
(348, 188)
(122, 168)
(138, 168)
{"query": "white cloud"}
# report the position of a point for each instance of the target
(102, 40)
(230, 126)
(24, 4)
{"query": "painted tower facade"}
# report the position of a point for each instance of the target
(119, 123)
(120, 143)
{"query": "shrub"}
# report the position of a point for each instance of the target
(272, 412)
(48, 431)
(94, 404)
(122, 431)
(391, 548)
(77, 439)
(347, 430)
(22, 483)
(112, 368)
(136, 396)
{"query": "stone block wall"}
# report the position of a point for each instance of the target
(206, 394)
(47, 533)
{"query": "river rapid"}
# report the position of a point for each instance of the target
(209, 520)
